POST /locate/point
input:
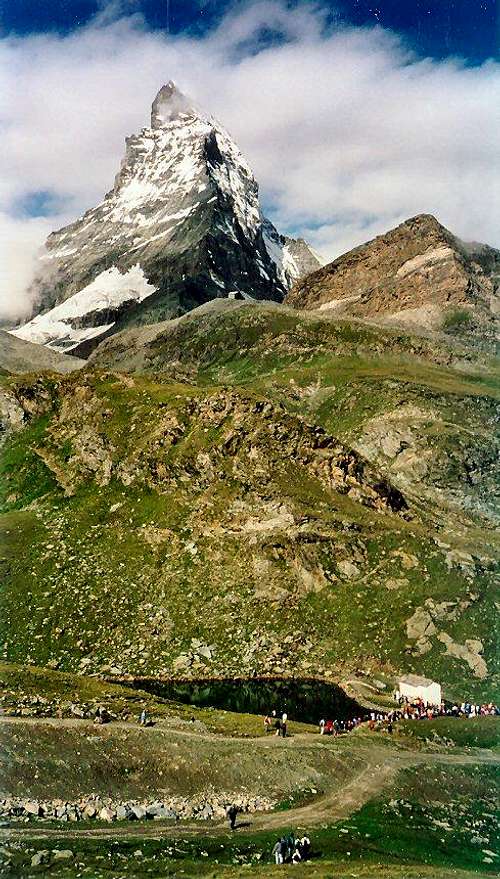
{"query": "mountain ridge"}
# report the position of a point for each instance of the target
(418, 275)
(18, 356)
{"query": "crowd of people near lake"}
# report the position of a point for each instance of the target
(337, 727)
(415, 709)
(277, 723)
(291, 849)
(418, 709)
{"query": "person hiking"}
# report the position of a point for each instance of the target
(231, 815)
(278, 851)
(284, 720)
(322, 726)
(101, 715)
(143, 719)
(289, 841)
(277, 726)
(296, 857)
(305, 847)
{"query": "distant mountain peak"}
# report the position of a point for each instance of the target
(169, 103)
(182, 225)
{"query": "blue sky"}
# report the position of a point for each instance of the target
(469, 28)
(353, 116)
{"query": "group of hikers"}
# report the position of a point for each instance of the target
(469, 709)
(415, 709)
(291, 850)
(337, 727)
(288, 849)
(409, 709)
(277, 723)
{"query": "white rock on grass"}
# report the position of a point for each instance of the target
(31, 807)
(40, 857)
(62, 854)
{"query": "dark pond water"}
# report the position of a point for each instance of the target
(305, 700)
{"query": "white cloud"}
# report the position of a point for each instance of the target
(20, 241)
(347, 133)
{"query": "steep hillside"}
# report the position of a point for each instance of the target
(16, 355)
(181, 225)
(417, 275)
(204, 520)
(424, 413)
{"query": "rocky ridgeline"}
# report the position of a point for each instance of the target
(418, 275)
(204, 807)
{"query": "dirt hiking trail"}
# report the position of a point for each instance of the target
(381, 765)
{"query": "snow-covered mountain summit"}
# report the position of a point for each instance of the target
(184, 210)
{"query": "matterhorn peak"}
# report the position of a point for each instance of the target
(181, 225)
(169, 103)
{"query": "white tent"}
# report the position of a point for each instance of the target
(414, 687)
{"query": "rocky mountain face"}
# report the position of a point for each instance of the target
(181, 225)
(418, 275)
(18, 356)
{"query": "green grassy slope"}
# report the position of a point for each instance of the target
(203, 520)
(425, 411)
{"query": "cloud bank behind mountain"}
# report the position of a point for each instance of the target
(347, 131)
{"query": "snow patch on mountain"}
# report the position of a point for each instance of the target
(61, 328)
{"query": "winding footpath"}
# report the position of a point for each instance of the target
(382, 763)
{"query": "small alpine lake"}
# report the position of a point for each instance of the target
(305, 699)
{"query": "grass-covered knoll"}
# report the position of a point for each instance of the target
(434, 815)
(44, 759)
(121, 860)
(173, 529)
(423, 410)
(251, 339)
(476, 732)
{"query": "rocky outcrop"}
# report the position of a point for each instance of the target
(425, 624)
(250, 430)
(418, 275)
(422, 450)
(12, 415)
(470, 652)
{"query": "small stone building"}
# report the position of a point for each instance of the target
(414, 687)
